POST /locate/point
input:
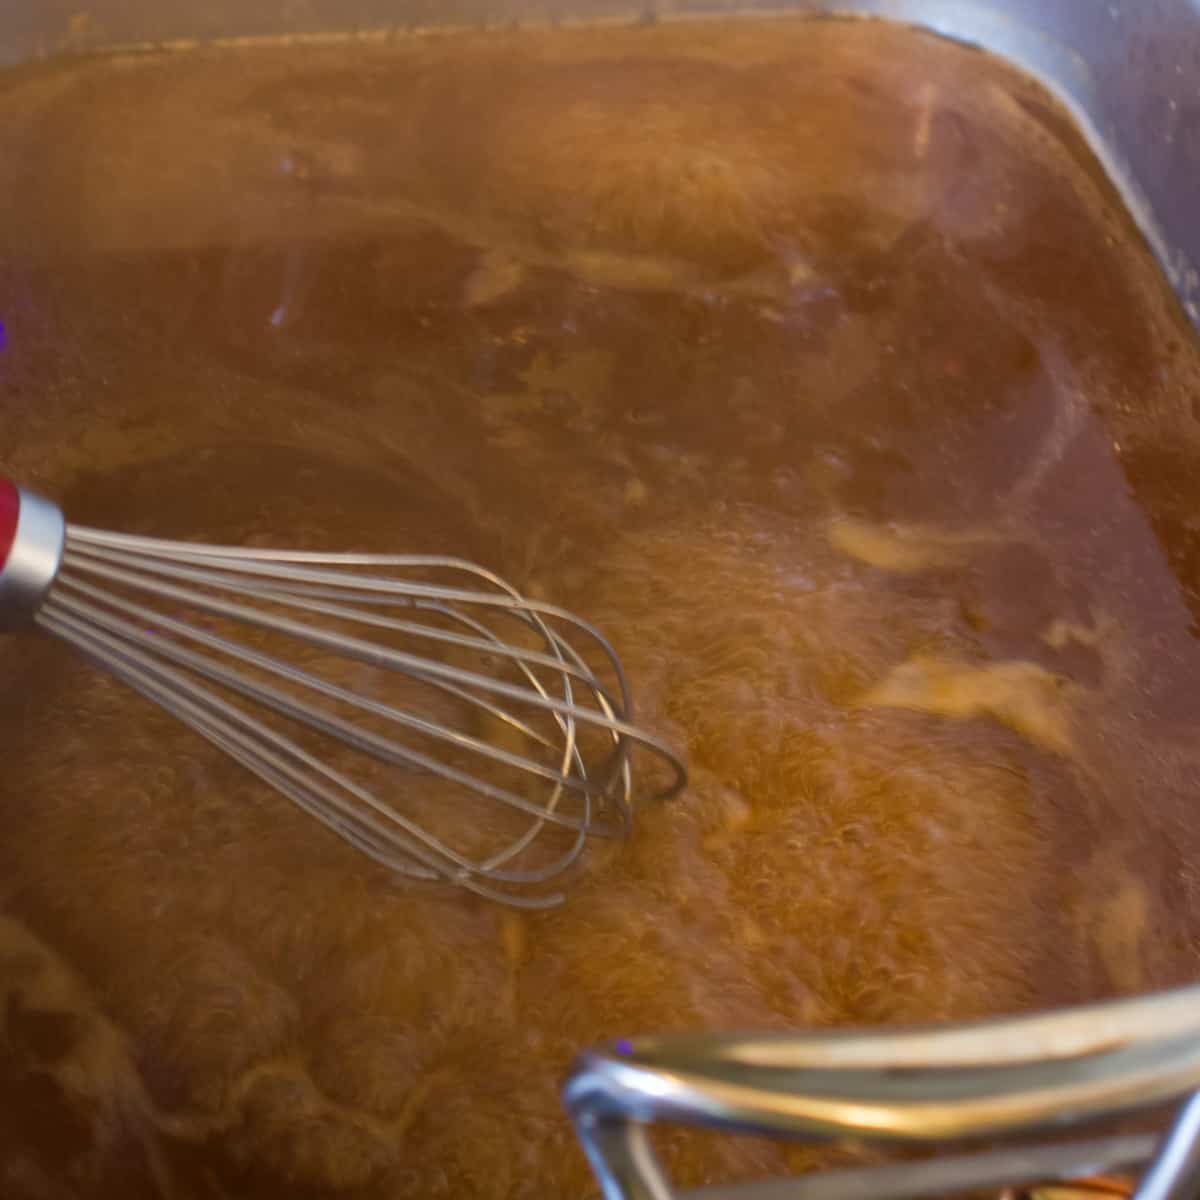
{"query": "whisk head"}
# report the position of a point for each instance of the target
(418, 706)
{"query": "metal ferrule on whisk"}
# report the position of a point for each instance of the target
(33, 534)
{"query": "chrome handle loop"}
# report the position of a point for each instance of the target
(956, 1086)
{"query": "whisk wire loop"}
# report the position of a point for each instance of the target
(291, 661)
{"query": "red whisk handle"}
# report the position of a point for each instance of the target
(10, 512)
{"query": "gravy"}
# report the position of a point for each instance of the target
(814, 361)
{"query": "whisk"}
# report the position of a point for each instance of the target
(497, 705)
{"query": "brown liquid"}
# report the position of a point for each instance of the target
(814, 361)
